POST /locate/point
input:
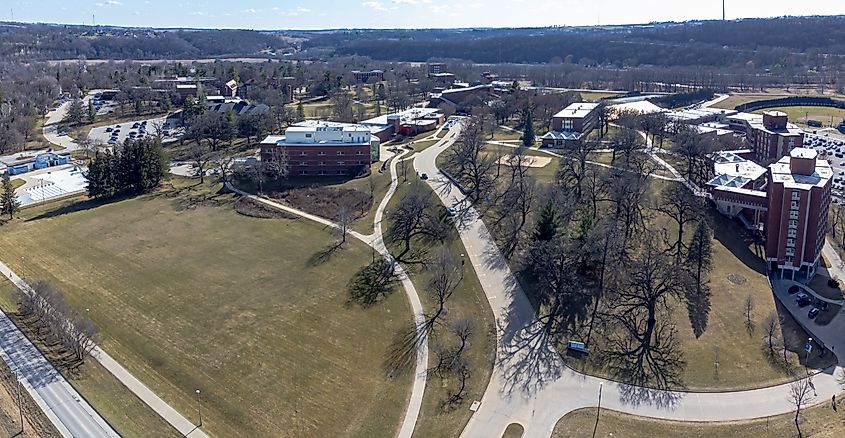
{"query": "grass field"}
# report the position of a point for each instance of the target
(467, 301)
(189, 294)
(819, 422)
(513, 430)
(800, 114)
(122, 409)
(17, 182)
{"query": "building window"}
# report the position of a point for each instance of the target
(303, 153)
(322, 163)
(796, 195)
(793, 223)
(322, 153)
(341, 163)
(307, 135)
(303, 163)
(340, 152)
(303, 172)
(790, 242)
(360, 153)
(322, 172)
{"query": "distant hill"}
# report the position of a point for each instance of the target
(29, 42)
(765, 42)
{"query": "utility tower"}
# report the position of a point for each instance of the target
(723, 10)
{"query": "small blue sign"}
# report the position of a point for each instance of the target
(808, 347)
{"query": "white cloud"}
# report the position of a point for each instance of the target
(109, 3)
(250, 11)
(375, 5)
(411, 2)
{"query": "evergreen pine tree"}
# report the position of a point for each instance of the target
(8, 203)
(548, 224)
(528, 130)
(92, 112)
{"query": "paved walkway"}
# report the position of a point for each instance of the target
(180, 423)
(376, 241)
(531, 386)
(62, 404)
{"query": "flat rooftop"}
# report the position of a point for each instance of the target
(406, 117)
(729, 164)
(577, 110)
(782, 173)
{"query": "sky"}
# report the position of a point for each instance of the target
(323, 14)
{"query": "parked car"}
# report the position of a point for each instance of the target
(802, 299)
(814, 312)
(423, 176)
(451, 212)
(109, 129)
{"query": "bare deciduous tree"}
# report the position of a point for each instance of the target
(800, 395)
(748, 313)
(414, 217)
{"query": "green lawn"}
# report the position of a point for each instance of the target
(189, 294)
(467, 301)
(513, 430)
(800, 114)
(819, 422)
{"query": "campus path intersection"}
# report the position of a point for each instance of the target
(531, 386)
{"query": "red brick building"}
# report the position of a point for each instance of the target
(436, 68)
(798, 191)
(572, 123)
(773, 137)
(366, 76)
(322, 148)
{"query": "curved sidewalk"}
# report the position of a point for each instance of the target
(376, 241)
(530, 384)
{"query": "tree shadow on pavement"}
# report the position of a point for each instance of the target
(637, 396)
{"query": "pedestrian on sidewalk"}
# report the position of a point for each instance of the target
(833, 402)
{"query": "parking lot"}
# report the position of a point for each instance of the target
(119, 132)
(832, 149)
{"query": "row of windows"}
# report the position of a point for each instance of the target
(323, 153)
(323, 163)
(324, 172)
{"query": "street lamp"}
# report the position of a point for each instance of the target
(598, 410)
(20, 401)
(199, 407)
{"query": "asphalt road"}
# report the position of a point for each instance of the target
(66, 409)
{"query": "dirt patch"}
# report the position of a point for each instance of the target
(737, 279)
(327, 201)
(250, 207)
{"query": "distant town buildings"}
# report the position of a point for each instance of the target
(367, 76)
(435, 68)
(229, 89)
(461, 98)
(412, 121)
(322, 148)
(571, 124)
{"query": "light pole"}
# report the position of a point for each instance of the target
(20, 402)
(598, 410)
(199, 407)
